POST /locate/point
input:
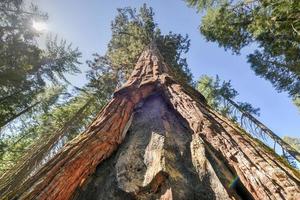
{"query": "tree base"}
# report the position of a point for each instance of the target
(160, 158)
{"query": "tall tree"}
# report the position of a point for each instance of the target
(272, 25)
(105, 74)
(151, 111)
(25, 68)
(217, 93)
(132, 31)
(173, 147)
(30, 79)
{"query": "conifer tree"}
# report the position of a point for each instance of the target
(24, 66)
(271, 25)
(217, 93)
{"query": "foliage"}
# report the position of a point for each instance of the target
(16, 138)
(31, 79)
(72, 116)
(297, 101)
(132, 31)
(217, 93)
(25, 68)
(67, 116)
(221, 95)
(294, 142)
(273, 25)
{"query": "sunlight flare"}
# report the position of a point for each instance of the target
(39, 26)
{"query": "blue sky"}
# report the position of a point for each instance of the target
(87, 25)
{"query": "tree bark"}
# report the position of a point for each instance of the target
(293, 152)
(218, 158)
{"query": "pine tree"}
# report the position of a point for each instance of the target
(25, 68)
(32, 79)
(217, 93)
(272, 25)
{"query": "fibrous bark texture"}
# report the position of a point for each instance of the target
(158, 139)
(159, 159)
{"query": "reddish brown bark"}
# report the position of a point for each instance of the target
(261, 172)
(230, 152)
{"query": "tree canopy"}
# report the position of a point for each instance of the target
(272, 26)
(132, 30)
(25, 68)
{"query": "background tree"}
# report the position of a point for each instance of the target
(272, 25)
(294, 142)
(70, 114)
(30, 146)
(221, 97)
(32, 79)
(217, 93)
(25, 68)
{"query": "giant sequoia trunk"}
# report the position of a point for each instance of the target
(158, 139)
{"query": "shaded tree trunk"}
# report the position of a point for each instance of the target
(15, 116)
(158, 139)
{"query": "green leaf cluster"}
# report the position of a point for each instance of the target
(271, 25)
(132, 30)
(217, 92)
(294, 142)
(25, 68)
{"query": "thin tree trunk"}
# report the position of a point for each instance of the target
(22, 170)
(17, 92)
(5, 122)
(8, 96)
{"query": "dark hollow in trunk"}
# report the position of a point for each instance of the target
(154, 160)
